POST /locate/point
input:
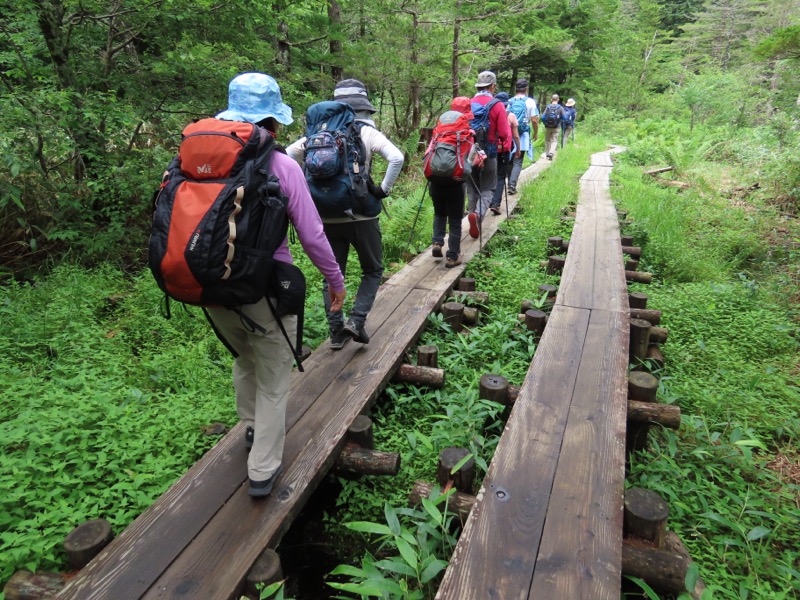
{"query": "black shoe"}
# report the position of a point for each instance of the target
(259, 489)
(512, 190)
(495, 210)
(338, 339)
(249, 436)
(357, 332)
(436, 252)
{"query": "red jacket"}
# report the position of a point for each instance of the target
(499, 129)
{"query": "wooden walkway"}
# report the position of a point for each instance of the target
(548, 518)
(200, 539)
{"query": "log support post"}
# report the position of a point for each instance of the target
(86, 541)
(494, 387)
(463, 477)
(266, 571)
(429, 376)
(637, 300)
(25, 585)
(361, 433)
(453, 313)
(458, 503)
(428, 356)
(535, 320)
(555, 264)
(466, 284)
(638, 276)
(640, 339)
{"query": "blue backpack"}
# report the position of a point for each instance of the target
(550, 116)
(518, 106)
(335, 162)
(480, 125)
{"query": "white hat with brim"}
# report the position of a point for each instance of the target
(253, 97)
(570, 102)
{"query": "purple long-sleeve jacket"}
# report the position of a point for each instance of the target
(305, 218)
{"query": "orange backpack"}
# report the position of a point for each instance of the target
(452, 142)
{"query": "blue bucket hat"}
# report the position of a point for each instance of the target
(503, 97)
(252, 97)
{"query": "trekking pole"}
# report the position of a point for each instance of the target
(419, 208)
(505, 180)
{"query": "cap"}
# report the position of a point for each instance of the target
(354, 93)
(502, 96)
(522, 84)
(252, 97)
(485, 79)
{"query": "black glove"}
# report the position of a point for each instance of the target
(376, 190)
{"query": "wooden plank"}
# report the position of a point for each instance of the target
(593, 276)
(495, 555)
(602, 159)
(147, 546)
(576, 288)
(580, 552)
(219, 559)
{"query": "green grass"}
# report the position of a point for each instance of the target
(730, 364)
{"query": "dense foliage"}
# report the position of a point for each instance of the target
(94, 93)
(105, 400)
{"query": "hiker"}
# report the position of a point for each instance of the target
(568, 122)
(447, 192)
(263, 360)
(354, 228)
(491, 131)
(552, 116)
(505, 155)
(527, 115)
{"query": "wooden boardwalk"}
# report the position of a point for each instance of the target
(200, 539)
(548, 518)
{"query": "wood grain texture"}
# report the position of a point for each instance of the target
(219, 558)
(496, 553)
(580, 552)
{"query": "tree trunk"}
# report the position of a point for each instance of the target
(334, 44)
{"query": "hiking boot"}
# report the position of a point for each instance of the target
(495, 210)
(249, 436)
(259, 489)
(512, 190)
(357, 332)
(437, 250)
(338, 339)
(452, 262)
(474, 226)
(549, 156)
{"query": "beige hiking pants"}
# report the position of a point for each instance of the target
(261, 376)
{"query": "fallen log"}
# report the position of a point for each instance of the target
(659, 170)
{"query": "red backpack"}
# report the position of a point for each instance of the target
(219, 216)
(452, 142)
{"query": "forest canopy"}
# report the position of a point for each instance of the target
(95, 93)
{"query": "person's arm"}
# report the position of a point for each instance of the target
(379, 143)
(296, 150)
(535, 121)
(501, 123)
(512, 119)
(303, 215)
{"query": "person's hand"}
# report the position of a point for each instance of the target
(337, 299)
(376, 190)
(517, 154)
(535, 136)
